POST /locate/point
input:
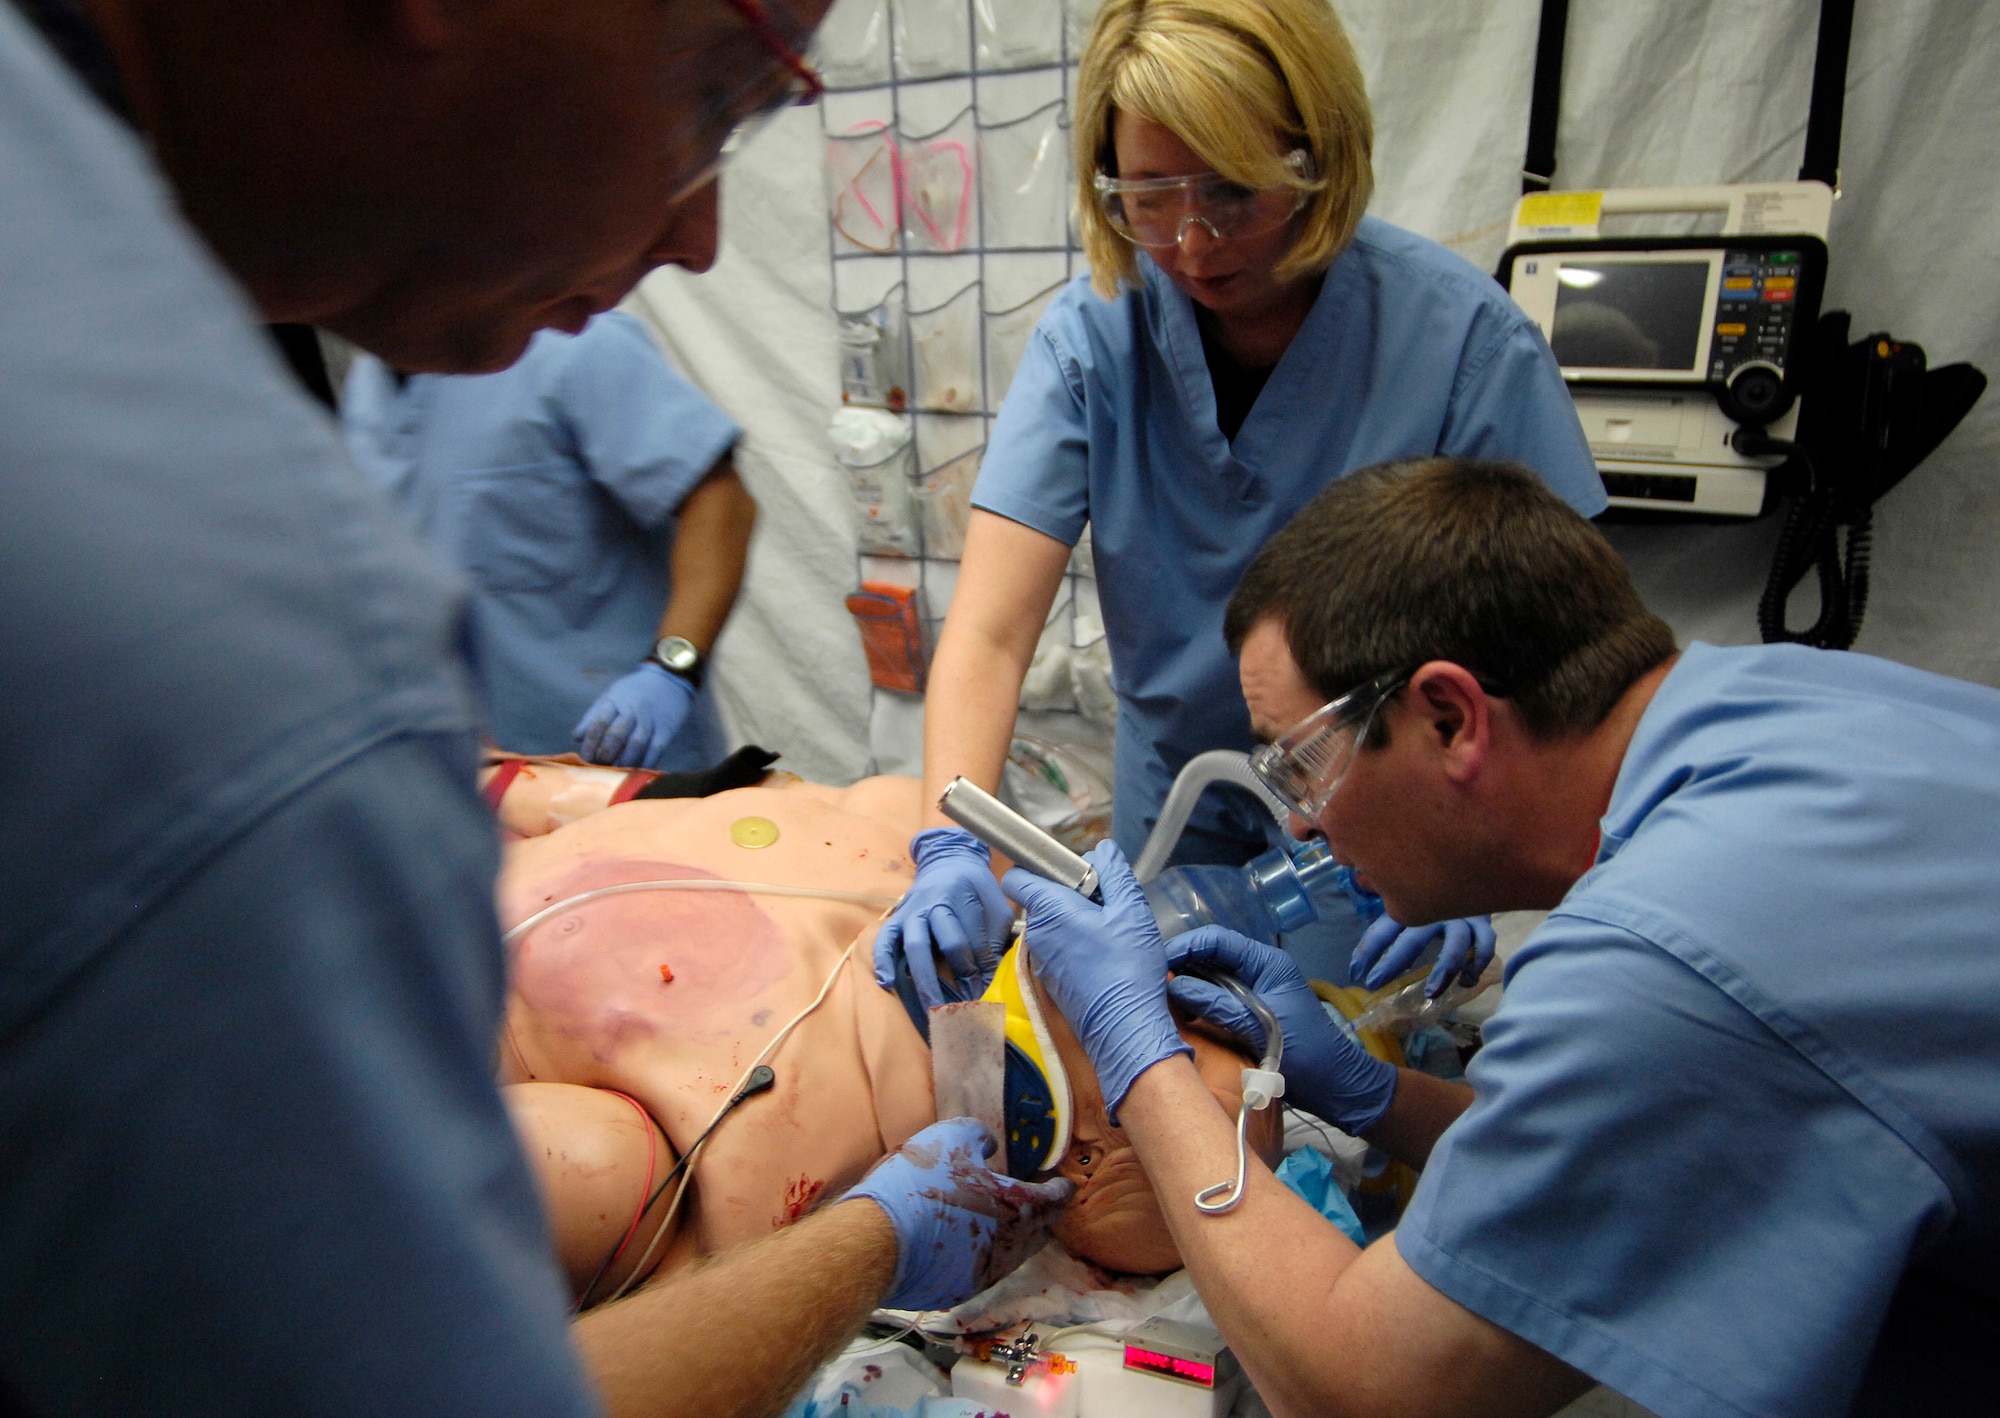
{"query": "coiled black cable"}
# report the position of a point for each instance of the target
(1810, 541)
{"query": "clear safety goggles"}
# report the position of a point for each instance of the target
(1304, 765)
(727, 122)
(1157, 211)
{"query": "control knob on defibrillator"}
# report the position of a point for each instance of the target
(1755, 394)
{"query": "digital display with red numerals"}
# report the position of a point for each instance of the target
(1188, 1370)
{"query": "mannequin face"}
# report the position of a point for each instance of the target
(1115, 1221)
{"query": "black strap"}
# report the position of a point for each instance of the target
(1538, 167)
(742, 769)
(300, 347)
(1829, 93)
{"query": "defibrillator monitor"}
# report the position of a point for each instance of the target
(1671, 343)
(1725, 314)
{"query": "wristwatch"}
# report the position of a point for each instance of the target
(677, 655)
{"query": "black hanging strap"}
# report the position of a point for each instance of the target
(1829, 93)
(1538, 167)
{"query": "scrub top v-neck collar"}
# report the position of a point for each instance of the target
(1238, 465)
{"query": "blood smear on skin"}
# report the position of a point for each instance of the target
(799, 1197)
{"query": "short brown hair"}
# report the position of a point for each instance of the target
(1227, 77)
(1476, 563)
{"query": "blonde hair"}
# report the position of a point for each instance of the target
(1224, 75)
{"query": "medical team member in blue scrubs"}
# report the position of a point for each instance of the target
(253, 1159)
(587, 494)
(1245, 336)
(1732, 1145)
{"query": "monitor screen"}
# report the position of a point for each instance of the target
(1629, 314)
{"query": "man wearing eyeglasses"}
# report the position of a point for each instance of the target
(1732, 1144)
(252, 1158)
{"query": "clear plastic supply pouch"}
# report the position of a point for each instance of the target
(1018, 34)
(851, 47)
(874, 450)
(885, 522)
(1024, 179)
(1063, 788)
(1007, 333)
(940, 187)
(944, 347)
(891, 622)
(874, 354)
(944, 502)
(932, 38)
(863, 189)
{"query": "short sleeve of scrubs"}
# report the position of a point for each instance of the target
(1041, 443)
(1649, 1174)
(644, 433)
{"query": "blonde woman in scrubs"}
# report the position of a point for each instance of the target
(1245, 336)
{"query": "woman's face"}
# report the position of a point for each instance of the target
(1231, 278)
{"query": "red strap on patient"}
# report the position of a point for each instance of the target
(502, 779)
(646, 1191)
(629, 789)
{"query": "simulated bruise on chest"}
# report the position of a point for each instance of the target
(647, 965)
(609, 991)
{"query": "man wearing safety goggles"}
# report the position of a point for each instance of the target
(250, 980)
(1732, 1142)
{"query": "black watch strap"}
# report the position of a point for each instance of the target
(679, 656)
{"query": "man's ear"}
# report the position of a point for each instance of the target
(1456, 717)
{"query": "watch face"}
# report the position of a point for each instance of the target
(677, 653)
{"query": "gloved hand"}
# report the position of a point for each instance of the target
(960, 1226)
(1386, 949)
(1106, 968)
(1326, 1072)
(953, 909)
(635, 719)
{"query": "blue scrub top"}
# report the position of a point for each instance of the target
(1110, 421)
(252, 1158)
(553, 486)
(1749, 1070)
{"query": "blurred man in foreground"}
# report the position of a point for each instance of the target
(252, 1159)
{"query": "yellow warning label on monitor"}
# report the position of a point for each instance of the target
(1560, 209)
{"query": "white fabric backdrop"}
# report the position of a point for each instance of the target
(1656, 92)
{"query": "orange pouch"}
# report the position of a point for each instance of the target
(891, 634)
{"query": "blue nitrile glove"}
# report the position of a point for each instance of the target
(1386, 949)
(960, 1225)
(1106, 968)
(1326, 1072)
(953, 910)
(634, 720)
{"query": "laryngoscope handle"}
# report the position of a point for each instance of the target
(1007, 832)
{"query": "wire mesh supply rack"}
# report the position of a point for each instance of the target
(949, 231)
